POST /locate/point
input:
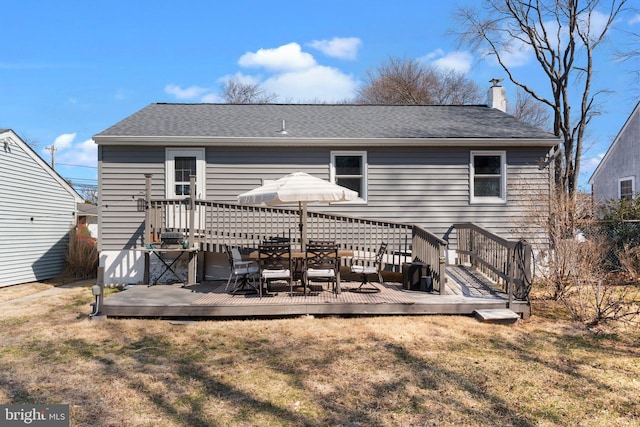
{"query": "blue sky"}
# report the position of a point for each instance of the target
(70, 69)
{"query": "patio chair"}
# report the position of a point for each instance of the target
(321, 242)
(275, 263)
(321, 262)
(242, 269)
(368, 266)
(276, 239)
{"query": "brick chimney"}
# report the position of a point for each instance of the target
(497, 98)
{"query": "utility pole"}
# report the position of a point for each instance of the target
(52, 149)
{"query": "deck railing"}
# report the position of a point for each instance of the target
(209, 225)
(246, 226)
(506, 262)
(431, 250)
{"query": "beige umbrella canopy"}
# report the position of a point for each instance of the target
(300, 188)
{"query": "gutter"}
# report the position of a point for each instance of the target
(177, 141)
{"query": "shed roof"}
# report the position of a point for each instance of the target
(321, 121)
(87, 209)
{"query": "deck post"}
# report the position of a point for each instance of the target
(510, 290)
(191, 275)
(442, 260)
(147, 208)
(509, 273)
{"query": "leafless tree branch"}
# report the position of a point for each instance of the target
(236, 92)
(400, 81)
(562, 37)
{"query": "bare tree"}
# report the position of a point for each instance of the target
(88, 192)
(530, 111)
(236, 92)
(630, 52)
(562, 35)
(400, 81)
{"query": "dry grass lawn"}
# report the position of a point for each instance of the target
(367, 371)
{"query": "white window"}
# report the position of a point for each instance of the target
(180, 164)
(626, 188)
(488, 177)
(349, 169)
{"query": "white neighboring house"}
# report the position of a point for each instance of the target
(618, 174)
(37, 210)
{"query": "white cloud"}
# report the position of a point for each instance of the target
(247, 79)
(517, 54)
(288, 57)
(457, 61)
(338, 47)
(191, 92)
(212, 98)
(64, 141)
(597, 23)
(635, 19)
(86, 153)
(319, 83)
(438, 53)
(592, 162)
(589, 164)
(289, 73)
(81, 154)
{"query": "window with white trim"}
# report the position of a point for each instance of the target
(349, 169)
(626, 188)
(488, 181)
(180, 164)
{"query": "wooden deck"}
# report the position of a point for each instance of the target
(466, 292)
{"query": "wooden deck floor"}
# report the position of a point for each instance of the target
(465, 293)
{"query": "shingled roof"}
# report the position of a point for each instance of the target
(321, 121)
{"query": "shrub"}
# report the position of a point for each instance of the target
(598, 301)
(620, 226)
(577, 270)
(81, 260)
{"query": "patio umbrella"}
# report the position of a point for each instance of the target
(300, 188)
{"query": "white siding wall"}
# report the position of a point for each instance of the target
(36, 214)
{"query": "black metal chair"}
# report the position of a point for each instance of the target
(321, 262)
(276, 239)
(275, 263)
(368, 266)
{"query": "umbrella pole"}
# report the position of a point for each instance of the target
(303, 225)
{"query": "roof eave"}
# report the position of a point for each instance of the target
(605, 158)
(314, 142)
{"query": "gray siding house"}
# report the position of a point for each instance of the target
(37, 210)
(427, 165)
(617, 175)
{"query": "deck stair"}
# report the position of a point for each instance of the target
(497, 315)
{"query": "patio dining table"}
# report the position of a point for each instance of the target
(300, 255)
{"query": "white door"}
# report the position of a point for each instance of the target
(180, 164)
